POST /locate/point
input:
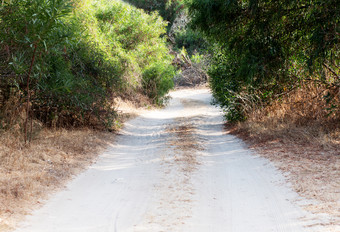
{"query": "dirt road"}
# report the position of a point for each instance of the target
(175, 170)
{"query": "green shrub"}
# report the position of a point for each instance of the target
(168, 9)
(192, 41)
(264, 48)
(157, 80)
(86, 51)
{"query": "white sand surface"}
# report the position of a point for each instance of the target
(175, 170)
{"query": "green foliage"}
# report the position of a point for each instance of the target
(168, 9)
(174, 12)
(157, 80)
(87, 51)
(191, 40)
(262, 47)
(27, 24)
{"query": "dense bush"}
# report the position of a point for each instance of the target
(180, 36)
(174, 12)
(191, 40)
(264, 48)
(168, 9)
(157, 80)
(82, 53)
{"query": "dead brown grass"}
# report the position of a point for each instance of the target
(302, 116)
(29, 173)
(186, 144)
(298, 136)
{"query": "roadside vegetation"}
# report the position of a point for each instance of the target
(264, 50)
(189, 46)
(64, 60)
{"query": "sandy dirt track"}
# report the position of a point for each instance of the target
(176, 170)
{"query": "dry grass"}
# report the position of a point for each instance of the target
(302, 116)
(29, 173)
(298, 136)
(186, 144)
(185, 141)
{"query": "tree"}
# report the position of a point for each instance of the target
(261, 45)
(28, 26)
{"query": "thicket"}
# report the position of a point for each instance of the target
(265, 49)
(179, 33)
(168, 9)
(66, 59)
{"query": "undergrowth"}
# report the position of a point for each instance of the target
(301, 116)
